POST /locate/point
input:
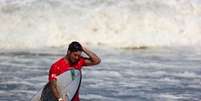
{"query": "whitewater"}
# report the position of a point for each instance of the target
(150, 49)
(111, 23)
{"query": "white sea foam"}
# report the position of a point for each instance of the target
(187, 74)
(97, 97)
(168, 97)
(169, 80)
(113, 23)
(103, 74)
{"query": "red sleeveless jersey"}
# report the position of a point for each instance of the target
(61, 66)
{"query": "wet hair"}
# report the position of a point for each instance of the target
(75, 46)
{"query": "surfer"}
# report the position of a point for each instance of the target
(72, 59)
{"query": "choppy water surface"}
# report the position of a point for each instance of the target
(152, 74)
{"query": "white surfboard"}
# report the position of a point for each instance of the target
(68, 83)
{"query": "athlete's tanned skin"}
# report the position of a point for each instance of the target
(73, 57)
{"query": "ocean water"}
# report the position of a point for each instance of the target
(150, 49)
(111, 23)
(155, 74)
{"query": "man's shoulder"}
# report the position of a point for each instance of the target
(58, 61)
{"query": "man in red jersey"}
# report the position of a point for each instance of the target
(73, 58)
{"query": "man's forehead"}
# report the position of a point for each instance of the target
(76, 52)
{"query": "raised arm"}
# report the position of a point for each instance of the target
(92, 58)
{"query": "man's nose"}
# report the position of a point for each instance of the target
(77, 57)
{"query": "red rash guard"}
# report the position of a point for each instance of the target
(61, 66)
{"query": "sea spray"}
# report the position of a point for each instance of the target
(113, 23)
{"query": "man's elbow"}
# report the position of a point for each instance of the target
(98, 61)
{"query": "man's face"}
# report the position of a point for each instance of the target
(74, 56)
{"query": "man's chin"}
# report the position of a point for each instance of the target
(74, 62)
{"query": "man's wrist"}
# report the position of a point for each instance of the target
(83, 49)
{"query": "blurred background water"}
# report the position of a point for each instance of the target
(150, 49)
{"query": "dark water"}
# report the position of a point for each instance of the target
(152, 74)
